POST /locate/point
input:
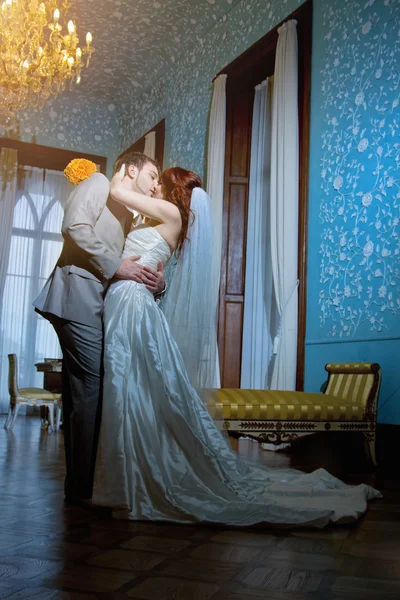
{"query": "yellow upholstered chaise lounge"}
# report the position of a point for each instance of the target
(349, 403)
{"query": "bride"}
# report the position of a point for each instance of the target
(161, 457)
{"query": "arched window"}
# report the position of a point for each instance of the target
(36, 243)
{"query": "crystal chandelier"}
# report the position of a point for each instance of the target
(38, 58)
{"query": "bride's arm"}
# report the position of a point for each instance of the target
(157, 209)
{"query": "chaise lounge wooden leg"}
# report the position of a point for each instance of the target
(369, 442)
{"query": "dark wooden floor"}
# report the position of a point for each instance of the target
(50, 551)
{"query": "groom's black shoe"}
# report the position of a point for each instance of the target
(73, 500)
(87, 504)
(74, 497)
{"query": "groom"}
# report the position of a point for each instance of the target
(94, 230)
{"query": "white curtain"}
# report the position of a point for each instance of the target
(150, 144)
(284, 205)
(216, 157)
(36, 243)
(215, 172)
(260, 314)
(8, 186)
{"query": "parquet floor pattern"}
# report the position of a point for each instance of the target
(51, 551)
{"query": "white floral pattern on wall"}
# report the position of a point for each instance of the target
(138, 42)
(183, 94)
(73, 122)
(360, 178)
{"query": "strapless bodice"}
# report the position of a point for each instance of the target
(147, 243)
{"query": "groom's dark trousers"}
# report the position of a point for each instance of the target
(82, 348)
(94, 230)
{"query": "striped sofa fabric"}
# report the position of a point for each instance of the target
(349, 403)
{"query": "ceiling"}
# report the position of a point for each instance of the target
(136, 41)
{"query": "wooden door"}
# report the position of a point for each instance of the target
(244, 73)
(237, 171)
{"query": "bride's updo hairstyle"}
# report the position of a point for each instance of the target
(178, 184)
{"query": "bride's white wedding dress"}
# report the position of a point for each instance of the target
(161, 456)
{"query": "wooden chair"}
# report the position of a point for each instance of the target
(30, 397)
(349, 403)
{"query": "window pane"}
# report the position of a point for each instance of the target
(47, 345)
(15, 315)
(54, 219)
(21, 256)
(50, 252)
(32, 258)
(23, 217)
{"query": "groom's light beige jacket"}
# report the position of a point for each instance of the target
(94, 230)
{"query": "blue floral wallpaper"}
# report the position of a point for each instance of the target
(74, 122)
(354, 286)
(359, 178)
(183, 94)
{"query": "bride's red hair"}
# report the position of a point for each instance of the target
(178, 184)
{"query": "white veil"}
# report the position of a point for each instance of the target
(190, 304)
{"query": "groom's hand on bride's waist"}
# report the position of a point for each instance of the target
(153, 280)
(130, 269)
